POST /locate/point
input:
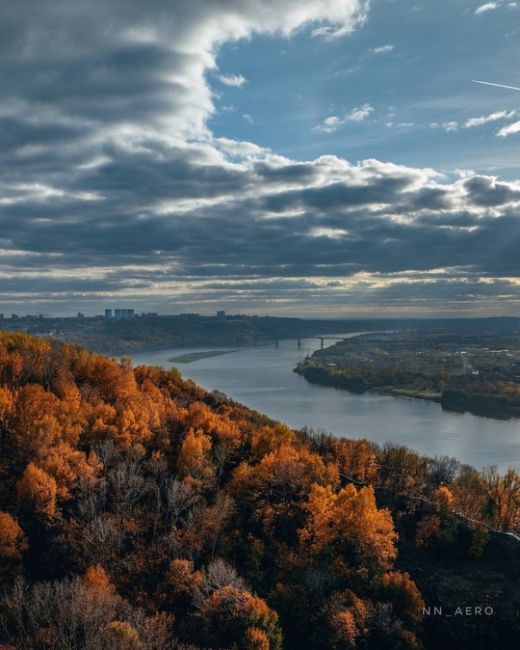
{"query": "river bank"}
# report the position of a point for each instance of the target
(496, 407)
(263, 379)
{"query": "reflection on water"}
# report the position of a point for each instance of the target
(263, 379)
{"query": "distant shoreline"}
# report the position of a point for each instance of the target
(485, 406)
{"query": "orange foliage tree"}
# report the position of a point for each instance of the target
(37, 491)
(350, 522)
(12, 538)
(231, 614)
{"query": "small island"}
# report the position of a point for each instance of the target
(190, 357)
(477, 373)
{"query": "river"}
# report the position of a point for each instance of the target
(263, 379)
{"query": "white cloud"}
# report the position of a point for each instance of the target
(329, 124)
(489, 6)
(383, 49)
(492, 117)
(330, 233)
(360, 114)
(399, 125)
(234, 80)
(240, 147)
(509, 130)
(449, 127)
(334, 122)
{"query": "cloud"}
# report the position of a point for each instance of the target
(383, 49)
(334, 122)
(330, 233)
(359, 114)
(487, 191)
(491, 6)
(488, 6)
(449, 127)
(234, 80)
(114, 189)
(165, 227)
(399, 125)
(330, 124)
(492, 117)
(509, 130)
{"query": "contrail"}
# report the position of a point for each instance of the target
(488, 83)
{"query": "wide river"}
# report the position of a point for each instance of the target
(263, 379)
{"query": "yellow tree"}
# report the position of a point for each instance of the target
(402, 592)
(285, 474)
(356, 459)
(230, 613)
(443, 498)
(270, 438)
(34, 421)
(351, 523)
(12, 538)
(194, 460)
(67, 466)
(37, 491)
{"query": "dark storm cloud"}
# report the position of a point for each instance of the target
(338, 195)
(289, 173)
(275, 245)
(486, 192)
(31, 283)
(138, 176)
(111, 178)
(430, 198)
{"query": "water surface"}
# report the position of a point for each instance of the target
(263, 379)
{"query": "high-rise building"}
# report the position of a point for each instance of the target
(123, 314)
(108, 314)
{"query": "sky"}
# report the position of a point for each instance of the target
(331, 158)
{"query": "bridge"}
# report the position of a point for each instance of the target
(299, 340)
(322, 339)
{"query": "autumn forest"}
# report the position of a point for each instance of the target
(138, 511)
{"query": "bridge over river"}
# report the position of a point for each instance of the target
(299, 340)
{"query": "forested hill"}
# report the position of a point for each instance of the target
(138, 511)
(149, 332)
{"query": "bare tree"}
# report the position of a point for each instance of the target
(70, 615)
(218, 574)
(442, 469)
(126, 485)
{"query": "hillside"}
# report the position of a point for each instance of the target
(149, 332)
(139, 511)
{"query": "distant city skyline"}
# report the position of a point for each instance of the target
(339, 158)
